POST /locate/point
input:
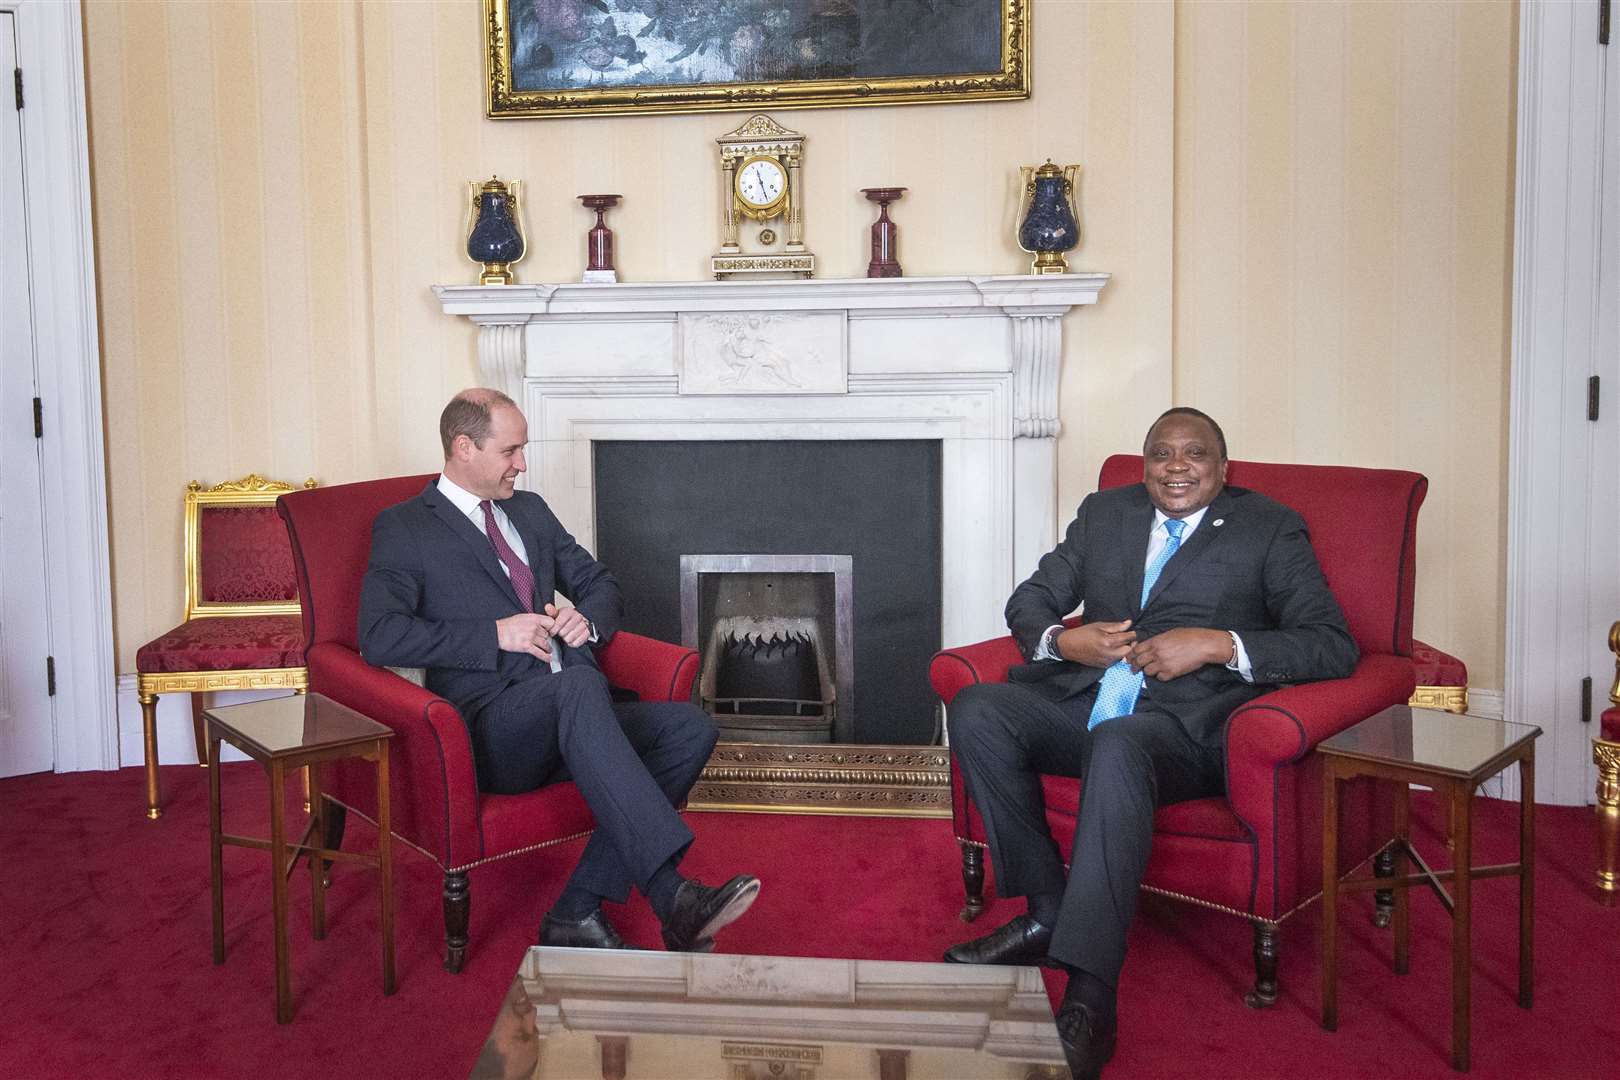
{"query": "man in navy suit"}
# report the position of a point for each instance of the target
(1134, 699)
(461, 582)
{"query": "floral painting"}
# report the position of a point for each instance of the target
(552, 57)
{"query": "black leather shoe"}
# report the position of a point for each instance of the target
(1088, 1043)
(591, 932)
(700, 912)
(1020, 941)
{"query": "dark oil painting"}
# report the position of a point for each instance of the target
(559, 45)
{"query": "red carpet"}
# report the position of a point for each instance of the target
(104, 919)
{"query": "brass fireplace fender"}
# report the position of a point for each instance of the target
(780, 778)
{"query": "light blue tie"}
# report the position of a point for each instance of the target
(1116, 693)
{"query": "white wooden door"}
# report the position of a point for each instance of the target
(26, 720)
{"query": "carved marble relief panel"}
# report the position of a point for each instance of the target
(761, 352)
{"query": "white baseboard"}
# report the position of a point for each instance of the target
(176, 743)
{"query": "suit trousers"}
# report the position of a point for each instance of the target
(1005, 735)
(633, 762)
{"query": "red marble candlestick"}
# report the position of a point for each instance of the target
(885, 233)
(599, 241)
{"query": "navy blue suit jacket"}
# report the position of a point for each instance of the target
(434, 588)
(1248, 567)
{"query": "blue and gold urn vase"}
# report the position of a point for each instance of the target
(494, 228)
(1047, 226)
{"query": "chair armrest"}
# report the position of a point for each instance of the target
(953, 670)
(653, 670)
(1283, 726)
(432, 751)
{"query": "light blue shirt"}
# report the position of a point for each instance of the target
(1157, 539)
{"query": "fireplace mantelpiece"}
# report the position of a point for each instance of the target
(972, 362)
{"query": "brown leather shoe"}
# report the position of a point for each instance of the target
(1019, 941)
(1088, 1042)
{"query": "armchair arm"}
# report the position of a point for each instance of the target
(436, 786)
(1282, 727)
(953, 670)
(654, 670)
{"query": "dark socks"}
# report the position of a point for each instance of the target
(1091, 992)
(661, 889)
(1044, 909)
(575, 903)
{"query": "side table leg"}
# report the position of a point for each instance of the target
(1402, 897)
(1527, 874)
(385, 867)
(317, 868)
(1462, 797)
(1330, 898)
(216, 861)
(278, 888)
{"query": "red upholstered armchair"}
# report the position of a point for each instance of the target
(1257, 852)
(435, 803)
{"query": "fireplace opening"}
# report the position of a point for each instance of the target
(776, 636)
(875, 503)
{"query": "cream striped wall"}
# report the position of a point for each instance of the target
(1343, 231)
(1306, 205)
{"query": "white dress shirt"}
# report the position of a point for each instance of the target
(1157, 539)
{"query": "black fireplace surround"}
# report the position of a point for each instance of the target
(876, 500)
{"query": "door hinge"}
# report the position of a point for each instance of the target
(39, 419)
(16, 80)
(1592, 385)
(50, 676)
(1603, 22)
(1586, 700)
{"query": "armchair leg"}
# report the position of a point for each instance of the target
(457, 908)
(334, 815)
(1607, 757)
(1383, 899)
(1264, 993)
(154, 807)
(972, 881)
(197, 706)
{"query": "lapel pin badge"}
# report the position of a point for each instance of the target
(1218, 522)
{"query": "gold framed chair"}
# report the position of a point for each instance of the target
(1606, 756)
(241, 628)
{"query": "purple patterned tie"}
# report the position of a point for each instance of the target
(522, 576)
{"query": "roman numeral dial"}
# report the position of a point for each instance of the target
(761, 183)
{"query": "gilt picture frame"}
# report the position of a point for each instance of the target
(553, 58)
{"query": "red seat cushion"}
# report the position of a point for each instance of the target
(1437, 668)
(225, 643)
(1611, 724)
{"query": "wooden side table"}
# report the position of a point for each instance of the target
(284, 734)
(1453, 755)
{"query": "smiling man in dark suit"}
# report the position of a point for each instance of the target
(461, 582)
(1197, 597)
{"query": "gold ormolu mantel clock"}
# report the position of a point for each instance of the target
(761, 165)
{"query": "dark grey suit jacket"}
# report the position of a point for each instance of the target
(1248, 567)
(434, 588)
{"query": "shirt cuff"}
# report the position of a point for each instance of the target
(1047, 648)
(1240, 659)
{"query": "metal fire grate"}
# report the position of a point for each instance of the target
(794, 608)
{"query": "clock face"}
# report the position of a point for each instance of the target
(761, 182)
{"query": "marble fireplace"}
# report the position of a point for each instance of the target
(969, 362)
